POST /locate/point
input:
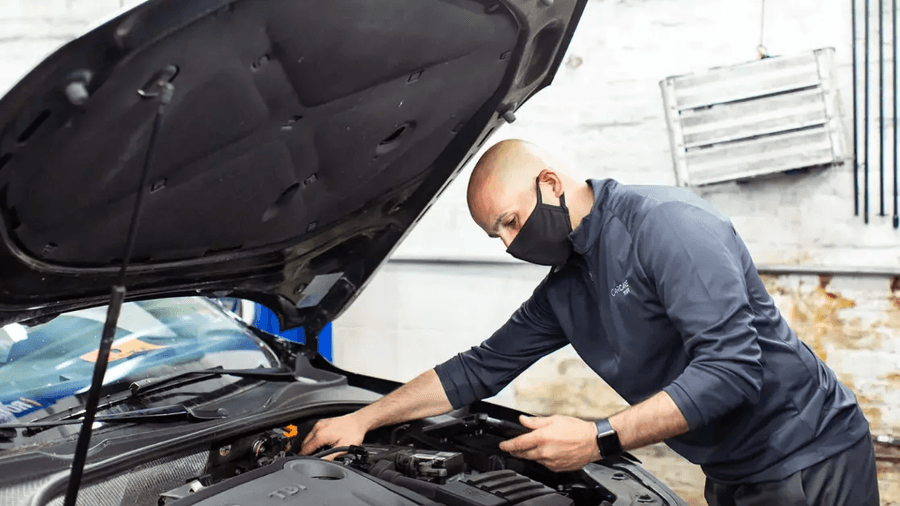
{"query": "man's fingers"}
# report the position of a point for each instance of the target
(521, 443)
(534, 422)
(309, 437)
(313, 433)
(308, 447)
(532, 454)
(311, 444)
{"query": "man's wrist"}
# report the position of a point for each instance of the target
(365, 418)
(594, 440)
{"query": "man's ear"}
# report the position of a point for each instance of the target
(552, 179)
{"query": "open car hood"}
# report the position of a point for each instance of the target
(303, 140)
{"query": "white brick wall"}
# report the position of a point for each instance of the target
(32, 29)
(604, 118)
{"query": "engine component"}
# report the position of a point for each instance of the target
(272, 444)
(432, 466)
(136, 485)
(302, 480)
(476, 424)
(307, 480)
(499, 488)
(179, 493)
(235, 456)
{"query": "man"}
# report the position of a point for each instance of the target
(659, 296)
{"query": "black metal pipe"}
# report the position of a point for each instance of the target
(894, 100)
(117, 297)
(881, 130)
(866, 119)
(855, 112)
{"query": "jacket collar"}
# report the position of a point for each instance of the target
(586, 235)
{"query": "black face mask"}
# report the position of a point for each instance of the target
(544, 238)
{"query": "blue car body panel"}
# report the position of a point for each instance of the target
(268, 322)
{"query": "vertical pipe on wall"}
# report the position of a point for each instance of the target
(881, 130)
(866, 116)
(894, 100)
(856, 111)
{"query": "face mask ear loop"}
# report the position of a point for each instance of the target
(562, 198)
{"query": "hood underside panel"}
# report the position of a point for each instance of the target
(302, 142)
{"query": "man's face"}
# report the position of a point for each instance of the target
(500, 208)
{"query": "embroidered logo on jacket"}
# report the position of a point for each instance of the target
(624, 289)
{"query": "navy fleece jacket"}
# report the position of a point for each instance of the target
(662, 295)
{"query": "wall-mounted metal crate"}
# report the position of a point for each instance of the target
(753, 119)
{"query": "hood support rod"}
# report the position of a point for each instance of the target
(117, 297)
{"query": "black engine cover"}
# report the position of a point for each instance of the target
(301, 481)
(499, 488)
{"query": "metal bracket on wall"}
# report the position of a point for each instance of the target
(763, 117)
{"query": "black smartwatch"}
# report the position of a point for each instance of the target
(607, 440)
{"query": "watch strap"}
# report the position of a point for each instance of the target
(607, 440)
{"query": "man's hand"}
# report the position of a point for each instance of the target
(559, 443)
(420, 398)
(341, 431)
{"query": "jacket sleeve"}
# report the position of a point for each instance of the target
(694, 259)
(530, 334)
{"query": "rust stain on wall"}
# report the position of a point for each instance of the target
(871, 410)
(892, 324)
(815, 316)
(870, 404)
(893, 316)
(831, 323)
(842, 319)
(773, 284)
(895, 295)
(892, 378)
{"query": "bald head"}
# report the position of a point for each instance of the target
(502, 188)
(507, 164)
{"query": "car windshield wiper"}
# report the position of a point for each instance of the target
(161, 383)
(149, 386)
(150, 415)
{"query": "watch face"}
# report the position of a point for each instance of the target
(608, 443)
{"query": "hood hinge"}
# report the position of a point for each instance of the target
(311, 335)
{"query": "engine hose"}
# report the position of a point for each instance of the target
(382, 471)
(337, 449)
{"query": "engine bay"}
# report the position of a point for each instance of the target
(450, 461)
